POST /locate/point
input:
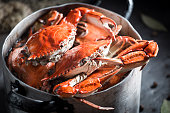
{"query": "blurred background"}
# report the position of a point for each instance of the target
(149, 17)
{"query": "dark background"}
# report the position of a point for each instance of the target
(156, 75)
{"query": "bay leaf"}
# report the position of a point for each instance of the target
(165, 108)
(153, 23)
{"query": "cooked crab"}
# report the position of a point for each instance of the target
(134, 56)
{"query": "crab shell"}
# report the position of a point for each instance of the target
(95, 26)
(28, 73)
(80, 59)
(51, 42)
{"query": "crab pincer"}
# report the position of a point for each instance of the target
(85, 86)
(136, 54)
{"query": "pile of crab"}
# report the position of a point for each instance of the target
(77, 55)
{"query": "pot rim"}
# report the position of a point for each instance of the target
(54, 7)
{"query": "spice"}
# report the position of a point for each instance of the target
(154, 85)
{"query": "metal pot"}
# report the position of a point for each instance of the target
(124, 96)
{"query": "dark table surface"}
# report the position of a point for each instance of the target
(156, 72)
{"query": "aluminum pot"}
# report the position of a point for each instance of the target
(124, 96)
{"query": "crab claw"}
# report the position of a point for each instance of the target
(83, 85)
(66, 89)
(80, 83)
(94, 82)
(138, 55)
(132, 53)
(152, 49)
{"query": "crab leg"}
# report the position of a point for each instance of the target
(94, 105)
(81, 77)
(113, 80)
(67, 89)
(55, 18)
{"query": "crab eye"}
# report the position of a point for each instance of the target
(83, 61)
(61, 46)
(105, 47)
(111, 26)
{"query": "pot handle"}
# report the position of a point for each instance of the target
(96, 2)
(19, 101)
(128, 12)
